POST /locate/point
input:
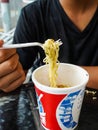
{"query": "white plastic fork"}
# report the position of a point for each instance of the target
(21, 45)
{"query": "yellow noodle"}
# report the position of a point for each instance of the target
(51, 49)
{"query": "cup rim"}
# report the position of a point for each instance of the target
(57, 90)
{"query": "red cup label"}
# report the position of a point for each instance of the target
(58, 112)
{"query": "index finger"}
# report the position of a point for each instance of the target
(6, 54)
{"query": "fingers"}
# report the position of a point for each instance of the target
(12, 74)
(9, 65)
(13, 79)
(14, 85)
(6, 54)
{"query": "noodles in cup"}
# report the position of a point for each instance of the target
(51, 49)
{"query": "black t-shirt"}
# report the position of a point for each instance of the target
(44, 19)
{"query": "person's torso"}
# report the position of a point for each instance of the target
(50, 21)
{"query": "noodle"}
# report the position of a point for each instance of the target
(51, 49)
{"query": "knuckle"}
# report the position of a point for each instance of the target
(2, 54)
(21, 72)
(2, 86)
(20, 69)
(11, 65)
(23, 76)
(5, 54)
(23, 79)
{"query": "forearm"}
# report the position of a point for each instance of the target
(93, 76)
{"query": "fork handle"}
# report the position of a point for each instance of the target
(21, 45)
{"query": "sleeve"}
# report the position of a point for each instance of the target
(25, 32)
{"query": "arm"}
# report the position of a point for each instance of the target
(93, 76)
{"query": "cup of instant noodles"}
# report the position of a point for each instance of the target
(60, 106)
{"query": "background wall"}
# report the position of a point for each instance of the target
(9, 13)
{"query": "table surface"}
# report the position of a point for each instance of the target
(18, 110)
(89, 113)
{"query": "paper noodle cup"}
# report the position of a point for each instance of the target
(59, 108)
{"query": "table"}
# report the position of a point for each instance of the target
(89, 112)
(19, 110)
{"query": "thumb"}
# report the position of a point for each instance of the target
(1, 42)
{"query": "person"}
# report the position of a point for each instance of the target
(73, 21)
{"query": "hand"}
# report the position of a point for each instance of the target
(12, 74)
